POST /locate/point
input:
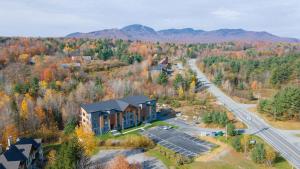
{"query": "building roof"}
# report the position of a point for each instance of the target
(1, 166)
(18, 153)
(136, 100)
(34, 142)
(14, 154)
(158, 67)
(117, 105)
(25, 149)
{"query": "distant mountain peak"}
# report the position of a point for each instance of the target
(137, 27)
(183, 35)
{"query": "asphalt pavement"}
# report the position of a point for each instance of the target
(262, 129)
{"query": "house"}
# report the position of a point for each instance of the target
(118, 114)
(81, 58)
(164, 61)
(162, 66)
(70, 65)
(26, 153)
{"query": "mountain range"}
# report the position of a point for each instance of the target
(185, 35)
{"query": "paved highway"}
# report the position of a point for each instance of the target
(289, 151)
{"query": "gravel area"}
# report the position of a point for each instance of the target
(132, 155)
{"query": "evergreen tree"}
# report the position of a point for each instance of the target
(258, 153)
(230, 129)
(218, 78)
(68, 156)
(236, 143)
(162, 79)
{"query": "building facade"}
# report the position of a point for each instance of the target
(26, 153)
(118, 114)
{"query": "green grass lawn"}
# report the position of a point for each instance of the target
(160, 123)
(280, 162)
(136, 132)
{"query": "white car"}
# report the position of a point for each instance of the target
(167, 127)
(115, 133)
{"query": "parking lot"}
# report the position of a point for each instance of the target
(178, 142)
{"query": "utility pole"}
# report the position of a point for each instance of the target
(226, 132)
(245, 149)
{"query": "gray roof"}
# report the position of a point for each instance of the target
(117, 105)
(158, 67)
(25, 149)
(136, 100)
(18, 153)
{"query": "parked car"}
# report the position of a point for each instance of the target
(115, 132)
(166, 127)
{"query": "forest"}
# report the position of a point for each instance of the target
(43, 81)
(272, 80)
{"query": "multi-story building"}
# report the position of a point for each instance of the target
(118, 114)
(26, 153)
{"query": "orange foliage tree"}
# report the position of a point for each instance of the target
(119, 162)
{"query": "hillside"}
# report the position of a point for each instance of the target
(185, 35)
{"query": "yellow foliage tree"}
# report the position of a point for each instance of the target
(24, 106)
(51, 157)
(86, 137)
(270, 155)
(43, 84)
(24, 58)
(180, 92)
(245, 142)
(24, 109)
(192, 88)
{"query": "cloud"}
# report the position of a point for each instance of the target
(61, 17)
(227, 14)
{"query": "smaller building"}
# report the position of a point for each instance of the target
(26, 153)
(118, 114)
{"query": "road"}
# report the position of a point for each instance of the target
(271, 135)
(103, 157)
(193, 129)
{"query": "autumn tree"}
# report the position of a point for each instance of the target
(24, 58)
(87, 139)
(245, 142)
(10, 130)
(192, 88)
(119, 162)
(180, 92)
(270, 155)
(47, 75)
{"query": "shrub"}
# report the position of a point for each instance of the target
(219, 118)
(236, 143)
(175, 103)
(258, 153)
(231, 129)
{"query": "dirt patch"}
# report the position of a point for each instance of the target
(222, 150)
(284, 125)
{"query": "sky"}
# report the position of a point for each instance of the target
(45, 18)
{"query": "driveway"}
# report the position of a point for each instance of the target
(132, 155)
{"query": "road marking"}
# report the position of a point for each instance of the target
(282, 145)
